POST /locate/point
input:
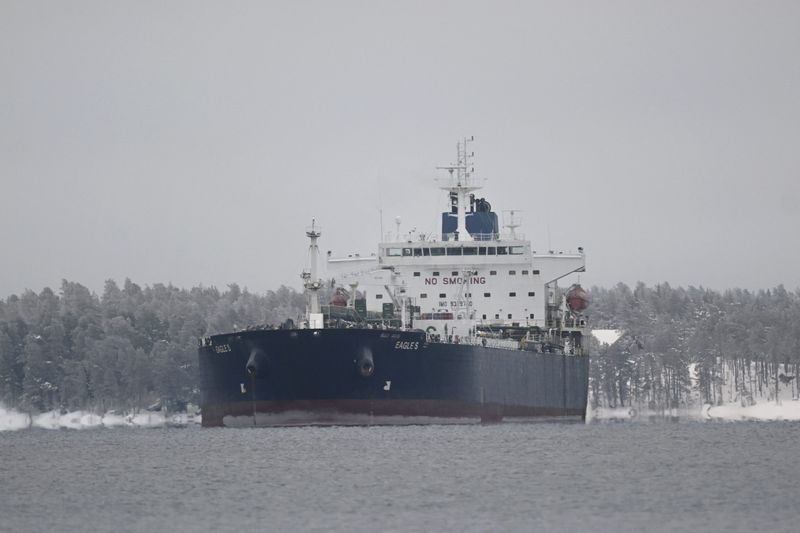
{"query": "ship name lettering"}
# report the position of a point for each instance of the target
(222, 348)
(406, 345)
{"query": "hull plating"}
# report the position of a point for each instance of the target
(370, 377)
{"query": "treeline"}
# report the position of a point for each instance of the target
(684, 347)
(129, 348)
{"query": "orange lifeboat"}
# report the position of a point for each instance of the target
(577, 298)
(339, 298)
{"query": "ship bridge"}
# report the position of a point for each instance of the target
(472, 276)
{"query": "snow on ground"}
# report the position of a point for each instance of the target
(606, 336)
(786, 410)
(632, 413)
(11, 420)
(766, 410)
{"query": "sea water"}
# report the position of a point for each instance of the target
(623, 476)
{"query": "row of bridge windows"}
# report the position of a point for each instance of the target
(476, 273)
(461, 250)
(531, 294)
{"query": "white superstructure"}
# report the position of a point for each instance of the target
(467, 282)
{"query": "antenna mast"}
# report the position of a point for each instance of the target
(460, 184)
(512, 223)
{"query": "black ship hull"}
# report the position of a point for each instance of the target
(371, 377)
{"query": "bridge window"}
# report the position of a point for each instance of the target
(491, 250)
(502, 250)
(470, 250)
(535, 272)
(524, 272)
(417, 252)
(482, 251)
(531, 294)
(512, 294)
(454, 251)
(394, 252)
(512, 272)
(406, 252)
(426, 252)
(437, 251)
(517, 250)
(379, 296)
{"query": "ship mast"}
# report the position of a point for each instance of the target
(512, 223)
(459, 185)
(311, 282)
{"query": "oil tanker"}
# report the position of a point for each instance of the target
(465, 325)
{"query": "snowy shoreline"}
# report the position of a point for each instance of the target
(788, 410)
(12, 420)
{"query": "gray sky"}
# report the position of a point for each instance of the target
(192, 142)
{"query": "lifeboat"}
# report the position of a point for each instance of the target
(577, 298)
(339, 299)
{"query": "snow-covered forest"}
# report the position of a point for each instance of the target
(128, 348)
(688, 347)
(131, 346)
